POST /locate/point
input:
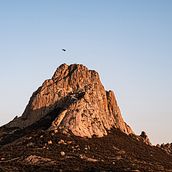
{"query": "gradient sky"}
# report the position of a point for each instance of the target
(129, 42)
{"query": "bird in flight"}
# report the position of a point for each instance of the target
(63, 49)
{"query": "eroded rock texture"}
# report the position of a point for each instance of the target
(78, 101)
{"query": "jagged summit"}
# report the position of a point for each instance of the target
(76, 101)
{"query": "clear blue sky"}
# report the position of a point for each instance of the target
(129, 42)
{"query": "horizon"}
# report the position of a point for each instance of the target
(127, 43)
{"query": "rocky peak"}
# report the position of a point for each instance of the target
(78, 102)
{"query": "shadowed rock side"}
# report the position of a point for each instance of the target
(86, 109)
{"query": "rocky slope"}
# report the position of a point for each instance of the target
(40, 150)
(166, 147)
(79, 102)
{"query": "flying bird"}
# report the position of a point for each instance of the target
(63, 49)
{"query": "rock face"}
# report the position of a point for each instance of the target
(78, 101)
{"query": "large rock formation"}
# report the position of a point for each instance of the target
(78, 101)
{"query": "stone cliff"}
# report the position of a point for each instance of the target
(78, 102)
